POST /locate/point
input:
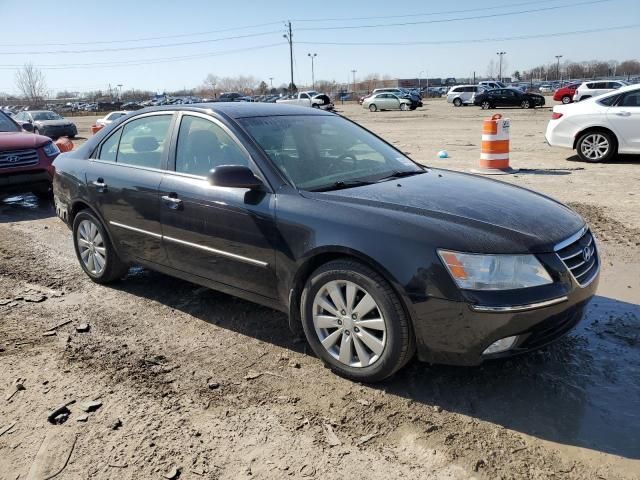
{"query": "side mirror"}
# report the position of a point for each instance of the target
(234, 176)
(28, 126)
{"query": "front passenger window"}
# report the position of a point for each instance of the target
(203, 146)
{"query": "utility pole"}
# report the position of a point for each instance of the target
(271, 81)
(289, 37)
(354, 81)
(419, 79)
(558, 57)
(500, 54)
(313, 77)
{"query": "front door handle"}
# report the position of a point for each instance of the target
(172, 201)
(623, 114)
(100, 184)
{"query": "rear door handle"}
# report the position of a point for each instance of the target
(623, 114)
(172, 201)
(100, 184)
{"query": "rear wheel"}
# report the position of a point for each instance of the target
(354, 321)
(596, 146)
(373, 108)
(566, 99)
(404, 107)
(94, 250)
(457, 102)
(525, 104)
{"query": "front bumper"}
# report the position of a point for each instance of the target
(457, 332)
(16, 182)
(56, 132)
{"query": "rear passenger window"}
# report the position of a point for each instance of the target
(143, 141)
(203, 146)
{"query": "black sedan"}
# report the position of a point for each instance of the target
(373, 256)
(47, 123)
(508, 97)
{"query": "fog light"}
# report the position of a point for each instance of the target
(501, 345)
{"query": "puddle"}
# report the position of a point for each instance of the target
(24, 207)
(582, 391)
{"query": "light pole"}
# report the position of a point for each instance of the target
(500, 54)
(419, 78)
(354, 81)
(558, 57)
(313, 78)
(271, 81)
(120, 91)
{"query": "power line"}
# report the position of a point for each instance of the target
(142, 39)
(476, 40)
(146, 47)
(447, 20)
(429, 14)
(143, 62)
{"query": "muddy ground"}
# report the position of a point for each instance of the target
(197, 384)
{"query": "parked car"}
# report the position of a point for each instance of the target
(25, 159)
(386, 101)
(595, 88)
(416, 101)
(507, 97)
(490, 84)
(48, 123)
(598, 128)
(131, 106)
(462, 94)
(545, 88)
(233, 97)
(565, 94)
(369, 253)
(111, 117)
(309, 98)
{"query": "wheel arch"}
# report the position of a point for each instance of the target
(78, 206)
(322, 255)
(595, 128)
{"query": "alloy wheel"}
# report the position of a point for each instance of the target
(486, 105)
(566, 99)
(349, 323)
(91, 247)
(595, 146)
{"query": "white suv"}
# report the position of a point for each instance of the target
(462, 94)
(595, 88)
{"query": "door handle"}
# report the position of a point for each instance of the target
(100, 184)
(623, 114)
(172, 201)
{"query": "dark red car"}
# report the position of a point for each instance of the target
(25, 159)
(565, 94)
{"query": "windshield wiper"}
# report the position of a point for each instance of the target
(400, 174)
(342, 184)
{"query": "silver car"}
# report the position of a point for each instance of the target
(462, 94)
(386, 101)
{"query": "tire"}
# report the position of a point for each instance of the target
(85, 227)
(369, 353)
(457, 102)
(404, 107)
(566, 99)
(525, 104)
(485, 105)
(596, 146)
(373, 107)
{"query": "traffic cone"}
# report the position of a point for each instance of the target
(494, 149)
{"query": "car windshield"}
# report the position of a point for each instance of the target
(7, 125)
(317, 152)
(38, 116)
(312, 93)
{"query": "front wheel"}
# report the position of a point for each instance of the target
(404, 107)
(373, 108)
(94, 250)
(354, 322)
(525, 104)
(598, 146)
(485, 105)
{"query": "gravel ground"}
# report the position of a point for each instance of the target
(195, 384)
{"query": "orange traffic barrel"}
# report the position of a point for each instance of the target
(494, 148)
(64, 144)
(95, 128)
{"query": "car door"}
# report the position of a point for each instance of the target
(624, 118)
(222, 234)
(123, 179)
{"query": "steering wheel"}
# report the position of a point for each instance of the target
(340, 159)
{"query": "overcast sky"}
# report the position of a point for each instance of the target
(455, 36)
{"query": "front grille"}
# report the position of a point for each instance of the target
(18, 158)
(581, 258)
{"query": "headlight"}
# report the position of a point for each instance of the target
(51, 149)
(494, 272)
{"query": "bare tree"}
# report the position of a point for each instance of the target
(211, 81)
(491, 69)
(31, 82)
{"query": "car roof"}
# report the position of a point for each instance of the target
(241, 109)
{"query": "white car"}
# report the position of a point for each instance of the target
(463, 94)
(546, 88)
(111, 117)
(600, 127)
(595, 88)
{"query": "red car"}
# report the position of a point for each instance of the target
(25, 159)
(565, 94)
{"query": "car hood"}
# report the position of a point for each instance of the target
(464, 212)
(20, 140)
(53, 123)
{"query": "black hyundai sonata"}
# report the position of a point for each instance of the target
(373, 256)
